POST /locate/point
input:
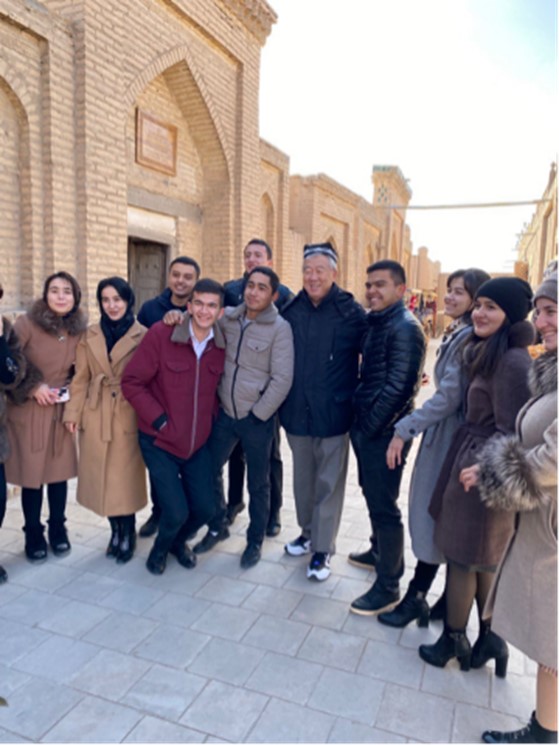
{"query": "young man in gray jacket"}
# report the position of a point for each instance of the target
(256, 380)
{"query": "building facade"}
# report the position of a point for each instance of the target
(130, 134)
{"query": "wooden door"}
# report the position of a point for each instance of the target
(146, 269)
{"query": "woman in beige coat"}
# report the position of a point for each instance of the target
(519, 473)
(42, 451)
(111, 474)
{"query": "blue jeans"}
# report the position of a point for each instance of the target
(184, 489)
(256, 438)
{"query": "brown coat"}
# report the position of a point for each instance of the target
(112, 475)
(18, 358)
(41, 449)
(520, 473)
(466, 531)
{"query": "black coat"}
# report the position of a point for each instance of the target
(393, 357)
(327, 342)
(235, 293)
(153, 310)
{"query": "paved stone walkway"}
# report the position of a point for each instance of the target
(95, 652)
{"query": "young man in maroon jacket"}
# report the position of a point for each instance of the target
(172, 384)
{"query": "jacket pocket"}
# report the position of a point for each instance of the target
(176, 372)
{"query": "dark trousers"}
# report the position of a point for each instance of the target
(3, 493)
(256, 438)
(236, 471)
(381, 487)
(32, 500)
(184, 488)
(155, 506)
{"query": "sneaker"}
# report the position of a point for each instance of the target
(319, 568)
(364, 560)
(299, 547)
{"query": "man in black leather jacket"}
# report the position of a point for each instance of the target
(393, 353)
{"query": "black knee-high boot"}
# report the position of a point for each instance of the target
(35, 544)
(58, 535)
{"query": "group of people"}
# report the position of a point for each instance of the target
(192, 385)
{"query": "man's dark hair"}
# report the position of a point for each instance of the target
(261, 242)
(269, 272)
(188, 261)
(211, 286)
(396, 270)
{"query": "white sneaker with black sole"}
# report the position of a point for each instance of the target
(299, 547)
(319, 568)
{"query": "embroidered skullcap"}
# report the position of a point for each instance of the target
(324, 249)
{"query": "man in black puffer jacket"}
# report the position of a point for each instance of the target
(393, 355)
(327, 327)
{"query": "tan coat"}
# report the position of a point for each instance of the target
(41, 450)
(520, 473)
(112, 476)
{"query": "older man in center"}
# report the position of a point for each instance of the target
(327, 326)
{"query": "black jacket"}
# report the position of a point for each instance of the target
(153, 311)
(327, 341)
(393, 356)
(235, 293)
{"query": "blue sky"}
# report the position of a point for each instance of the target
(460, 94)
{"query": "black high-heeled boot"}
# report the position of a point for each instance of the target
(532, 732)
(412, 606)
(452, 643)
(127, 539)
(490, 646)
(114, 542)
(58, 538)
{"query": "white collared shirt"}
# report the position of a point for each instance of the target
(200, 346)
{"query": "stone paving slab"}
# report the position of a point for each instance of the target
(92, 651)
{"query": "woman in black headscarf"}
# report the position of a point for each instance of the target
(111, 474)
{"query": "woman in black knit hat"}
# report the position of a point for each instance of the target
(471, 537)
(111, 474)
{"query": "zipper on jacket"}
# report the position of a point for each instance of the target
(195, 408)
(243, 328)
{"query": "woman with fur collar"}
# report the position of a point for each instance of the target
(519, 474)
(12, 370)
(471, 537)
(42, 451)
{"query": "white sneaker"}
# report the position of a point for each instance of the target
(299, 547)
(319, 568)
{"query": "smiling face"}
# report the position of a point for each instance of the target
(113, 305)
(255, 255)
(546, 322)
(204, 308)
(318, 277)
(487, 317)
(258, 294)
(457, 300)
(181, 281)
(381, 289)
(60, 297)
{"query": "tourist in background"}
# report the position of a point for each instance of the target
(519, 474)
(12, 370)
(438, 419)
(111, 471)
(42, 451)
(471, 537)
